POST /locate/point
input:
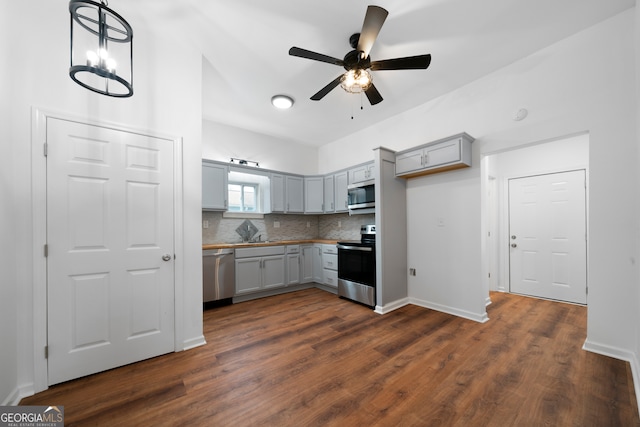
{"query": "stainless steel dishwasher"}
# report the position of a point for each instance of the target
(218, 275)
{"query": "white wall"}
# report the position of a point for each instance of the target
(636, 360)
(585, 83)
(8, 232)
(35, 48)
(221, 142)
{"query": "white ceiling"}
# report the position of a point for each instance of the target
(245, 44)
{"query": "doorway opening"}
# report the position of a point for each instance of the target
(499, 169)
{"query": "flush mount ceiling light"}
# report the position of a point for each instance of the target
(356, 81)
(282, 102)
(101, 49)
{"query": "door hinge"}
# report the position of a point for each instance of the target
(46, 250)
(489, 275)
(46, 351)
(45, 149)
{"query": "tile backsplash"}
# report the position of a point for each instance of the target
(291, 227)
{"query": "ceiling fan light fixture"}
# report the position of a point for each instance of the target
(282, 102)
(356, 81)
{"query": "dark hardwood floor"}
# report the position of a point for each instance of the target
(311, 359)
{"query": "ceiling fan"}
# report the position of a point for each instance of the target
(357, 62)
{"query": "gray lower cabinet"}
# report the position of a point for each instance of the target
(306, 263)
(330, 265)
(260, 268)
(318, 271)
(294, 265)
(266, 267)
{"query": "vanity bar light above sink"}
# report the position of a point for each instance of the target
(244, 162)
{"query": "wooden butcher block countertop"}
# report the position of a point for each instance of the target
(266, 243)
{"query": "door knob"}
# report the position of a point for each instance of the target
(513, 245)
(513, 237)
(166, 257)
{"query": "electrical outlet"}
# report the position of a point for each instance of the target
(276, 224)
(339, 224)
(205, 224)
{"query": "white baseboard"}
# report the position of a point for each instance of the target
(476, 317)
(387, 308)
(193, 343)
(14, 398)
(621, 354)
(635, 373)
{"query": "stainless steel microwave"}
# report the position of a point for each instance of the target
(361, 196)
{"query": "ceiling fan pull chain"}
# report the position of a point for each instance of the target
(351, 104)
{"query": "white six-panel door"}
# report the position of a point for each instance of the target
(547, 236)
(110, 239)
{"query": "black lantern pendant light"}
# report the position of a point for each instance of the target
(101, 49)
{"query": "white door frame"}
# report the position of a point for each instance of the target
(501, 250)
(39, 232)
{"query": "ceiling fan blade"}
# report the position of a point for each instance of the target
(371, 26)
(328, 88)
(304, 53)
(407, 63)
(373, 95)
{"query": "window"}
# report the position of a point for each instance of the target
(243, 197)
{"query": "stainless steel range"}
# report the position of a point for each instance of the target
(357, 267)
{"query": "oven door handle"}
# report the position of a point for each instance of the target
(356, 248)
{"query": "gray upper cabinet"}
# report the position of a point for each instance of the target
(340, 181)
(278, 201)
(335, 192)
(215, 179)
(294, 194)
(313, 194)
(287, 193)
(361, 173)
(329, 194)
(437, 156)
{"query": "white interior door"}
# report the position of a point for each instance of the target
(110, 239)
(547, 236)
